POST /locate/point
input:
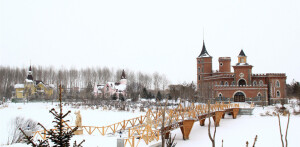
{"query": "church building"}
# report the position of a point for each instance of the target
(240, 85)
(33, 88)
(111, 88)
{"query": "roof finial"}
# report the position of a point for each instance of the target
(203, 33)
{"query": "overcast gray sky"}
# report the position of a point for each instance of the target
(153, 35)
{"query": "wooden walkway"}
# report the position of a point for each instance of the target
(147, 127)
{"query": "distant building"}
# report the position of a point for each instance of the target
(111, 88)
(241, 85)
(33, 87)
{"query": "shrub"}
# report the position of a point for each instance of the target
(25, 124)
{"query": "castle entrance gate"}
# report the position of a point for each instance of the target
(239, 97)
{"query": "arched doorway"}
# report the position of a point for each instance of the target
(239, 97)
(242, 82)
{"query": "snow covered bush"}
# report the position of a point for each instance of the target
(25, 124)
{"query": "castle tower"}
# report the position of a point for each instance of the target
(123, 78)
(242, 71)
(242, 57)
(224, 64)
(204, 65)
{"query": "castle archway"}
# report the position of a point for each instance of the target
(239, 97)
(242, 82)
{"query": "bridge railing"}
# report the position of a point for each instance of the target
(138, 127)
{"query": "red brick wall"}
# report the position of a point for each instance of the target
(250, 92)
(224, 64)
(247, 72)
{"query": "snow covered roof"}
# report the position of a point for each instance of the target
(204, 52)
(38, 82)
(111, 84)
(19, 86)
(29, 81)
(100, 86)
(51, 85)
(242, 64)
(121, 87)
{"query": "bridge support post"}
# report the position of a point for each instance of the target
(186, 128)
(223, 116)
(235, 112)
(202, 120)
(167, 135)
(217, 117)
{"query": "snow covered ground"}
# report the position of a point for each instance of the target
(234, 132)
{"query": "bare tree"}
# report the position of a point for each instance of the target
(156, 81)
(25, 124)
(212, 138)
(165, 83)
(163, 132)
(286, 132)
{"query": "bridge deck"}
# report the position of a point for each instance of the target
(148, 127)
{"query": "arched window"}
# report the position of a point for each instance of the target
(259, 96)
(221, 83)
(278, 93)
(220, 95)
(277, 84)
(232, 83)
(261, 83)
(199, 78)
(226, 83)
(254, 83)
(242, 82)
(199, 69)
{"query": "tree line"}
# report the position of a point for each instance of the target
(293, 89)
(82, 78)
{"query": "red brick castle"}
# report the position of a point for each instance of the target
(240, 85)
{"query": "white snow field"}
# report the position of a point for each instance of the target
(234, 132)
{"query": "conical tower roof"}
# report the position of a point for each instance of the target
(29, 76)
(204, 52)
(123, 76)
(242, 53)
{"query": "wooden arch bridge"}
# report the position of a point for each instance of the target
(148, 127)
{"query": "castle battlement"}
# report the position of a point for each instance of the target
(224, 58)
(270, 75)
(242, 86)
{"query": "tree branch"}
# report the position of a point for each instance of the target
(280, 130)
(286, 132)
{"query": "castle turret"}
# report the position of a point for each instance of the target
(242, 57)
(204, 65)
(123, 78)
(243, 70)
(224, 64)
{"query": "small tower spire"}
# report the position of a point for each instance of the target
(242, 57)
(29, 76)
(204, 52)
